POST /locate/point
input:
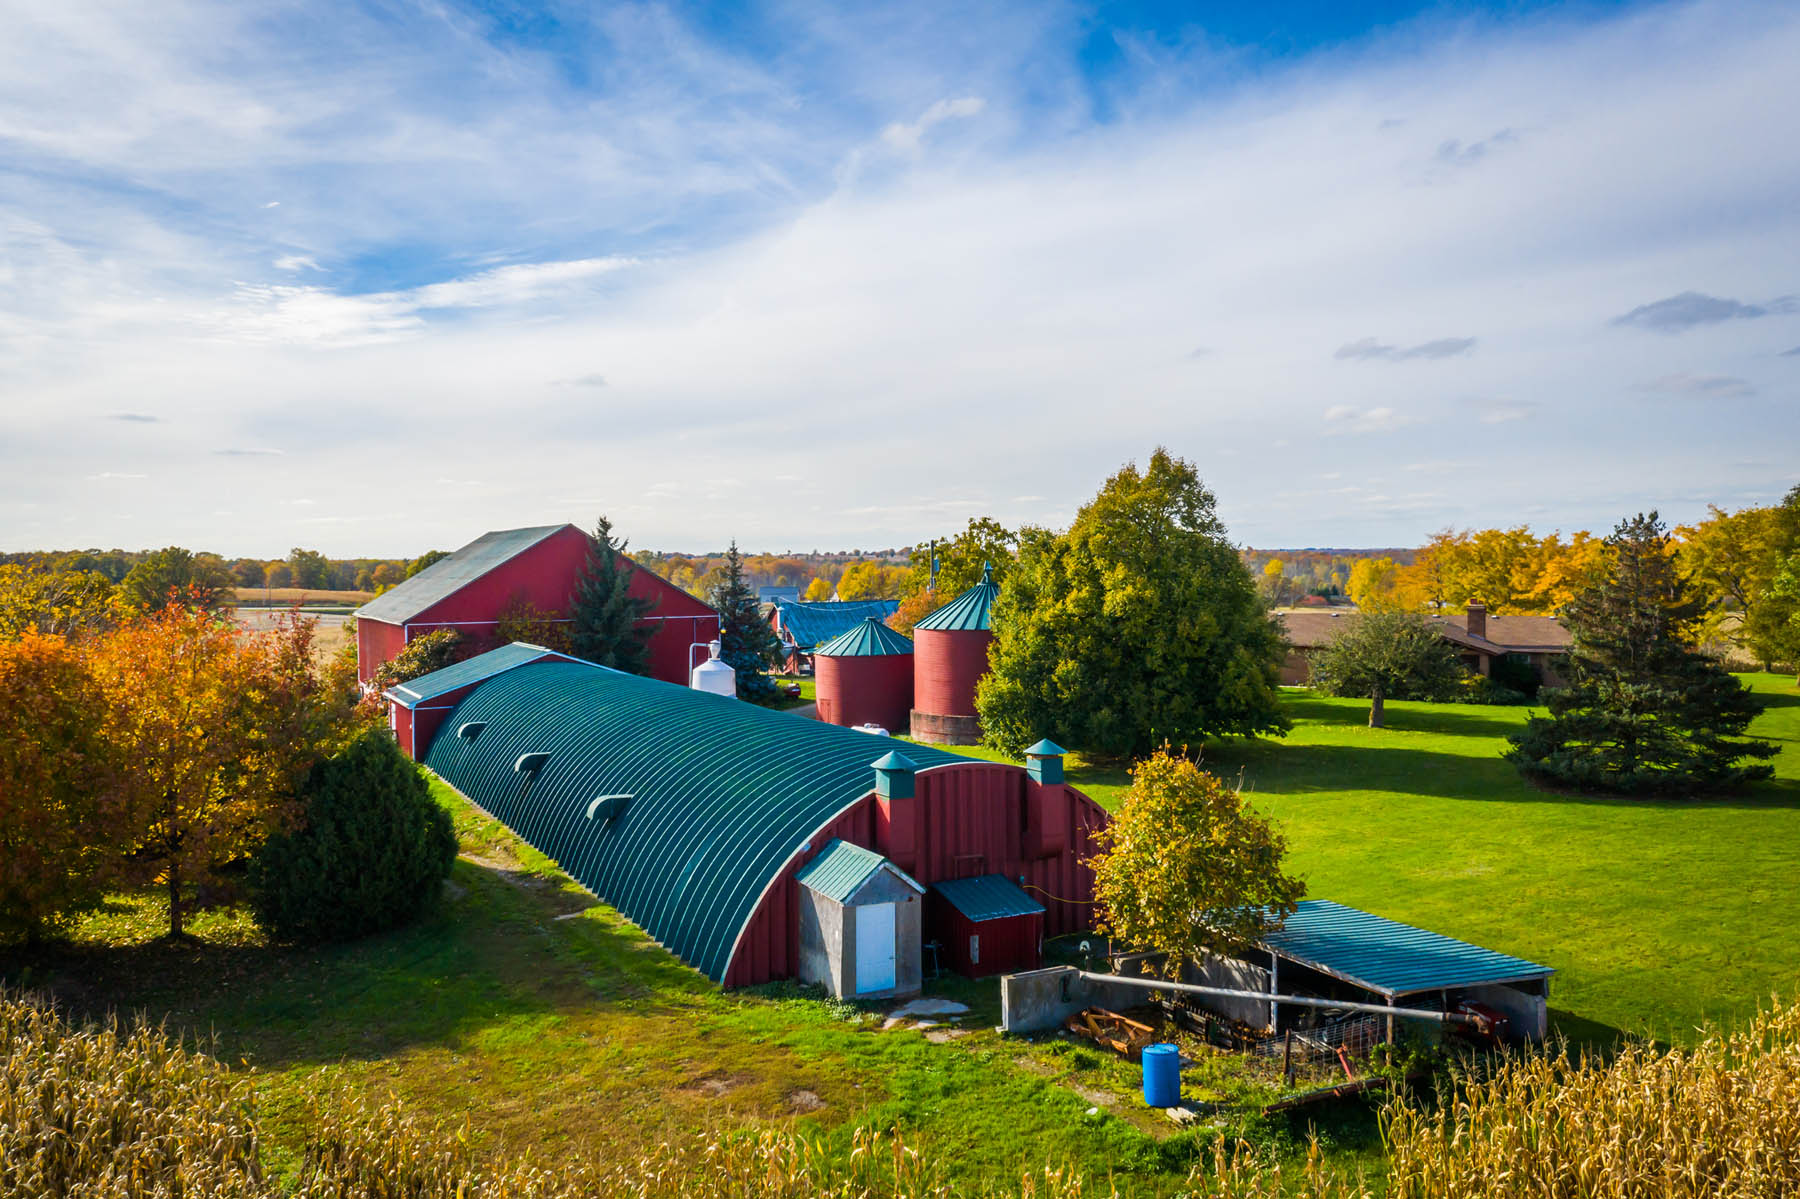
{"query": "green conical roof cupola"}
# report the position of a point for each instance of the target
(970, 611)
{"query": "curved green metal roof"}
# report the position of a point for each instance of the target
(722, 793)
(973, 609)
(868, 639)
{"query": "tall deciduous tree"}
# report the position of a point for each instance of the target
(606, 615)
(984, 544)
(180, 576)
(311, 569)
(1644, 711)
(1187, 867)
(1139, 625)
(62, 821)
(1373, 583)
(1383, 655)
(818, 591)
(217, 726)
(747, 643)
(428, 558)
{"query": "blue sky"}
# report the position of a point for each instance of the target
(376, 278)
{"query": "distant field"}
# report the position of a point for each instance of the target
(285, 596)
(1657, 915)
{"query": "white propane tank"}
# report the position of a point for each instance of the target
(713, 675)
(876, 729)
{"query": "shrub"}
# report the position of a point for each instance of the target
(1480, 689)
(1516, 674)
(370, 851)
(422, 655)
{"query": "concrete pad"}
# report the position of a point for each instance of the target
(928, 1007)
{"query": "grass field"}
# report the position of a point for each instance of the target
(282, 597)
(553, 1027)
(1657, 915)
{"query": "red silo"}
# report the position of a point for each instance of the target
(865, 676)
(950, 654)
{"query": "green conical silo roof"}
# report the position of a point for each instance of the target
(973, 609)
(868, 639)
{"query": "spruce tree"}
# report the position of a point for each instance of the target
(605, 614)
(1644, 712)
(747, 643)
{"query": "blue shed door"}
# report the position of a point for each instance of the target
(874, 948)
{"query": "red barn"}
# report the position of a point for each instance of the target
(469, 590)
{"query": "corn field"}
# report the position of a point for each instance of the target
(128, 1113)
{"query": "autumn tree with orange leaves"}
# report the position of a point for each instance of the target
(61, 812)
(219, 727)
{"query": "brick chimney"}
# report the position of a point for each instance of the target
(1477, 618)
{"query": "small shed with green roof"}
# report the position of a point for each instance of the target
(865, 677)
(860, 924)
(988, 924)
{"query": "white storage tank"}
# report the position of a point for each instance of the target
(713, 675)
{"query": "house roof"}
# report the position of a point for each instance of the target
(724, 793)
(1518, 632)
(1505, 634)
(868, 638)
(456, 676)
(987, 897)
(973, 609)
(816, 623)
(1386, 956)
(451, 574)
(841, 870)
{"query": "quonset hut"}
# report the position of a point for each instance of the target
(865, 676)
(693, 814)
(950, 654)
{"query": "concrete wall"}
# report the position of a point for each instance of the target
(821, 941)
(1040, 1000)
(1529, 1014)
(1235, 975)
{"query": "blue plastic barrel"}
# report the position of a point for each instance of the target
(1162, 1075)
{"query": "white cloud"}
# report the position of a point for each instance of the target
(297, 262)
(1011, 319)
(907, 136)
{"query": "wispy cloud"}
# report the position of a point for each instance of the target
(1458, 153)
(117, 474)
(135, 418)
(242, 452)
(1500, 412)
(584, 381)
(297, 262)
(1700, 386)
(1691, 309)
(907, 136)
(1342, 418)
(1370, 349)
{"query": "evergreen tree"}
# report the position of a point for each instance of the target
(747, 643)
(1644, 712)
(606, 614)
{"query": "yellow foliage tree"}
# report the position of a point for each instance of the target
(218, 726)
(1374, 584)
(818, 591)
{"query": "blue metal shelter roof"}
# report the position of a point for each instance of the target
(447, 576)
(973, 609)
(458, 675)
(815, 624)
(987, 897)
(1389, 957)
(722, 793)
(868, 638)
(843, 868)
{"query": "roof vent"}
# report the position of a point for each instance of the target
(470, 729)
(608, 808)
(530, 763)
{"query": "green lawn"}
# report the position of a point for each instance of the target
(1657, 915)
(554, 1027)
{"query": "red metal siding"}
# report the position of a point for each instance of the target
(865, 690)
(545, 576)
(947, 663)
(1006, 945)
(983, 818)
(376, 643)
(400, 722)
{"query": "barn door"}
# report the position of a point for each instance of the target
(874, 948)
